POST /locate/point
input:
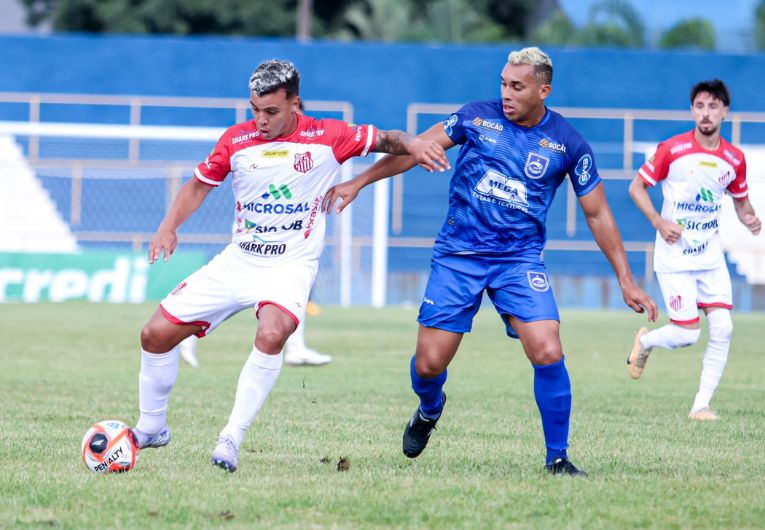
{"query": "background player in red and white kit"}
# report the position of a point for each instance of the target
(282, 164)
(695, 169)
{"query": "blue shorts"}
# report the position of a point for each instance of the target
(457, 282)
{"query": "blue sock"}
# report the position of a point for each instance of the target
(430, 391)
(552, 390)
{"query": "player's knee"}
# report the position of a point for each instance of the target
(685, 337)
(544, 352)
(428, 366)
(720, 325)
(152, 339)
(270, 339)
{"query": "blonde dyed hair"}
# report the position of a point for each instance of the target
(535, 57)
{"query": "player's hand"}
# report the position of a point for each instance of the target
(640, 302)
(163, 241)
(429, 155)
(669, 231)
(752, 222)
(345, 191)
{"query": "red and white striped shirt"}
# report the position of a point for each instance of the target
(279, 184)
(693, 183)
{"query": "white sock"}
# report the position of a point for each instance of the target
(715, 356)
(158, 374)
(255, 383)
(296, 341)
(670, 337)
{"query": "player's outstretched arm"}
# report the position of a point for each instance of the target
(746, 215)
(669, 230)
(603, 226)
(431, 145)
(189, 198)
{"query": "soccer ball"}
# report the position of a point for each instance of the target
(109, 447)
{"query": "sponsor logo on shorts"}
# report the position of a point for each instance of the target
(178, 288)
(538, 281)
(303, 162)
(264, 249)
(428, 301)
(676, 302)
(536, 165)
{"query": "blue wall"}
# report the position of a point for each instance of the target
(379, 79)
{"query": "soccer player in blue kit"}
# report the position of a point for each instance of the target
(514, 154)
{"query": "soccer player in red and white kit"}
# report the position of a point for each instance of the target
(695, 169)
(282, 163)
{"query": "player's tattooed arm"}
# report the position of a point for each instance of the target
(427, 153)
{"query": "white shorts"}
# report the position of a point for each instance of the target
(230, 282)
(684, 292)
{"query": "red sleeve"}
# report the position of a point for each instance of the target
(217, 165)
(349, 140)
(738, 188)
(656, 168)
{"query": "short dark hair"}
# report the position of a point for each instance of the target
(715, 88)
(272, 75)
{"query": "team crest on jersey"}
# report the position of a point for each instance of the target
(538, 281)
(583, 168)
(303, 162)
(725, 178)
(536, 165)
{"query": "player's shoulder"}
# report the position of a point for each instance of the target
(731, 153)
(558, 125)
(678, 144)
(239, 133)
(310, 128)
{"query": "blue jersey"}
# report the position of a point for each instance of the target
(506, 177)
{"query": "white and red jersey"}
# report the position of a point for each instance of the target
(693, 183)
(279, 184)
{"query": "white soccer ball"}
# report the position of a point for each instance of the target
(110, 447)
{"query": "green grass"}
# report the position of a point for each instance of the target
(64, 366)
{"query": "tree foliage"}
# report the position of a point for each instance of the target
(556, 30)
(759, 26)
(613, 23)
(691, 33)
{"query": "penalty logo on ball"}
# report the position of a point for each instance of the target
(109, 447)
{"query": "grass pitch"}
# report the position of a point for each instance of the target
(63, 367)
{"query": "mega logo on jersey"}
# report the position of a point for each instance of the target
(497, 188)
(303, 162)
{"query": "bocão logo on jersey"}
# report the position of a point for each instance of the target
(303, 162)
